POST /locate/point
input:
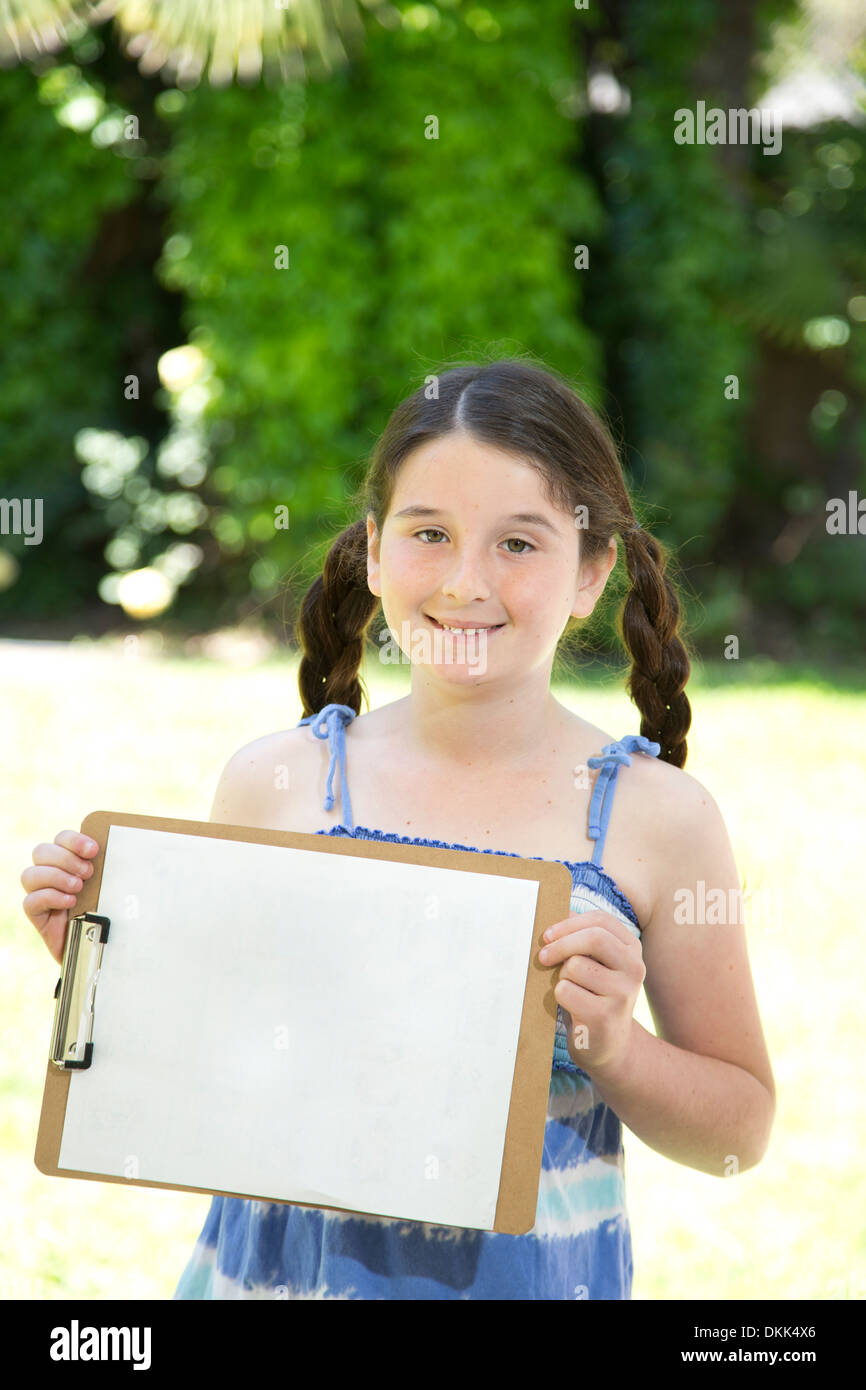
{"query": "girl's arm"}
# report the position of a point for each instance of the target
(702, 1091)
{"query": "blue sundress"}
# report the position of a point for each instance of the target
(580, 1244)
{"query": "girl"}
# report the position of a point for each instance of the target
(494, 506)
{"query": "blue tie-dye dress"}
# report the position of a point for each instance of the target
(580, 1244)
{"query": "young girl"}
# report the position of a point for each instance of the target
(494, 506)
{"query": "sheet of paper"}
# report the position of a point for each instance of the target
(324, 1029)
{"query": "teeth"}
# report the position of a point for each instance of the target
(468, 631)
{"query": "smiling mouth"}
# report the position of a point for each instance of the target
(465, 629)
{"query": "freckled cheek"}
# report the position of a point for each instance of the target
(538, 603)
(406, 574)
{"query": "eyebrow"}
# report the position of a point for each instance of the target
(523, 518)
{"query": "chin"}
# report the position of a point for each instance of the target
(453, 674)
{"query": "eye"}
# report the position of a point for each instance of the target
(433, 530)
(520, 541)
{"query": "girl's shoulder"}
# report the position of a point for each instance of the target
(259, 762)
(673, 806)
(267, 781)
(666, 801)
(644, 770)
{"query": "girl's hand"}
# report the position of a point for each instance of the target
(601, 973)
(54, 881)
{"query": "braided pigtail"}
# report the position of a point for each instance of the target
(660, 666)
(335, 614)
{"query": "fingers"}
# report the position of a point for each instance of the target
(49, 876)
(59, 857)
(592, 977)
(53, 882)
(596, 942)
(45, 899)
(81, 847)
(582, 921)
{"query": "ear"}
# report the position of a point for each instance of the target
(373, 557)
(592, 577)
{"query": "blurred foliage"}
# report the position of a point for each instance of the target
(806, 304)
(675, 251)
(58, 358)
(314, 255)
(720, 262)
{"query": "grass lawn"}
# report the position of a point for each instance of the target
(95, 726)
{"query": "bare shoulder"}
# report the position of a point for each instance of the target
(671, 801)
(682, 828)
(260, 781)
(647, 775)
(681, 831)
(263, 754)
(675, 800)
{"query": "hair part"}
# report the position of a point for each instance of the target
(531, 412)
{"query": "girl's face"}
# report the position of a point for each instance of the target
(471, 542)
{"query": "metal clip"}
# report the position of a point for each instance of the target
(71, 1039)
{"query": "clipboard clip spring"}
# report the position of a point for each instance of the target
(71, 1039)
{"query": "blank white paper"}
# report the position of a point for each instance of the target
(318, 1028)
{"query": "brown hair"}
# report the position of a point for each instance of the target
(527, 410)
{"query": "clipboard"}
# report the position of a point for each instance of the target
(192, 1046)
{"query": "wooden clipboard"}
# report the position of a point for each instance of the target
(79, 1044)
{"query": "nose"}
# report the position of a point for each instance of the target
(467, 579)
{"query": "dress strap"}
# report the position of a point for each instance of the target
(330, 723)
(613, 757)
